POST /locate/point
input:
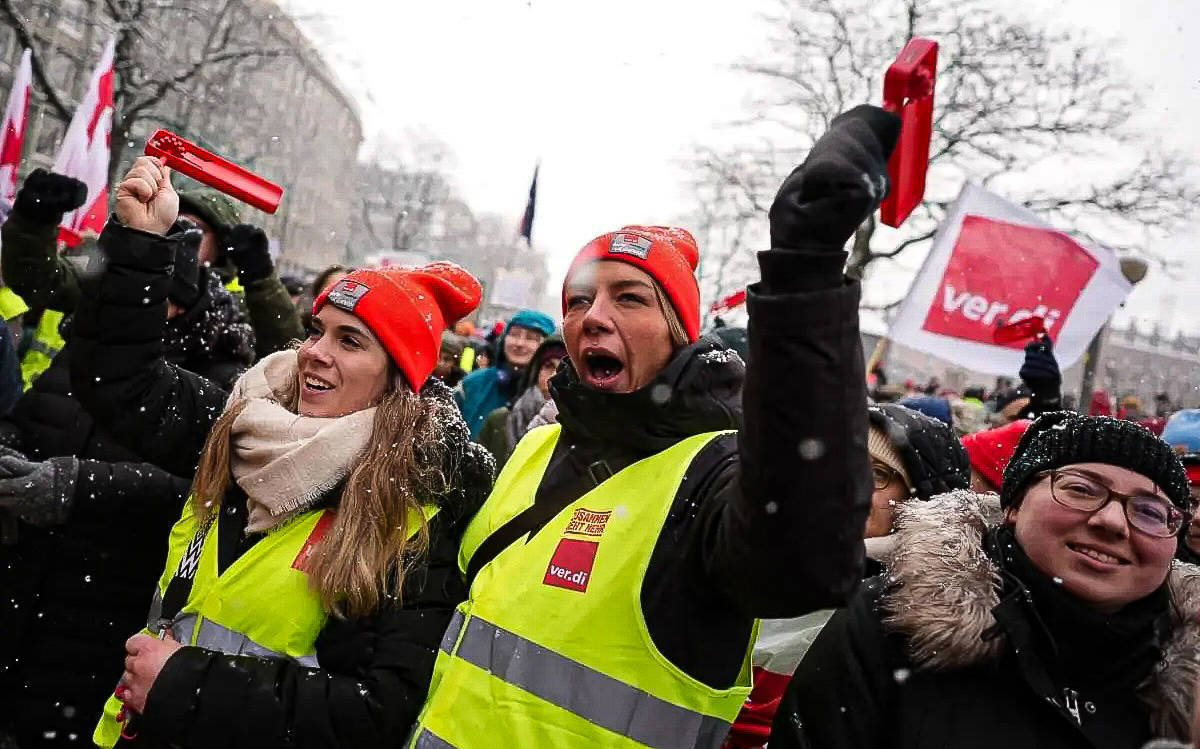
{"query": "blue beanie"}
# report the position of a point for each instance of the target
(931, 406)
(534, 320)
(1182, 431)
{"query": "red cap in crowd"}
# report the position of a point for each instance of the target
(669, 255)
(990, 451)
(407, 308)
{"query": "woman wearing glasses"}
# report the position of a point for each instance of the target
(1049, 618)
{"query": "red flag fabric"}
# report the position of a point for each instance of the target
(992, 263)
(84, 152)
(12, 129)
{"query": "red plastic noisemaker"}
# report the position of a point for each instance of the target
(908, 91)
(214, 171)
(1029, 328)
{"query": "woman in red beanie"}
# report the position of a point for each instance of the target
(617, 571)
(311, 575)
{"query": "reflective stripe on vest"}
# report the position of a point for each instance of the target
(227, 611)
(573, 665)
(213, 636)
(44, 346)
(593, 696)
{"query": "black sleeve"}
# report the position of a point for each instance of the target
(274, 318)
(104, 489)
(118, 372)
(842, 693)
(781, 527)
(32, 266)
(373, 678)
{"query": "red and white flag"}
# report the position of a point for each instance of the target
(84, 153)
(993, 262)
(12, 130)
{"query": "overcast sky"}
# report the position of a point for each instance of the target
(609, 96)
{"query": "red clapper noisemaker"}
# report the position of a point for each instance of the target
(908, 91)
(1019, 331)
(218, 173)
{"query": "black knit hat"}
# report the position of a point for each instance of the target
(1061, 438)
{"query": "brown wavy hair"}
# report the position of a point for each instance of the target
(366, 555)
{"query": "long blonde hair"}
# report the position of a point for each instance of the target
(364, 558)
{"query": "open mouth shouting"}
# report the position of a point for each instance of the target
(602, 369)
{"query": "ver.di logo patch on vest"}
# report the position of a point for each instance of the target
(347, 294)
(571, 565)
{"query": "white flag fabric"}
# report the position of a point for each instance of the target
(12, 129)
(993, 262)
(84, 152)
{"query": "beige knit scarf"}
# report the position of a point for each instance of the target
(283, 461)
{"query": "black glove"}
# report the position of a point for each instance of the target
(45, 197)
(247, 245)
(38, 493)
(1041, 374)
(839, 185)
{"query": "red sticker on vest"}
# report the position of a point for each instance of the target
(571, 565)
(314, 538)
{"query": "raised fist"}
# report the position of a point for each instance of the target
(145, 198)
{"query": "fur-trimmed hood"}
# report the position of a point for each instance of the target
(942, 588)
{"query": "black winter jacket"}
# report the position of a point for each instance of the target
(375, 671)
(89, 578)
(951, 650)
(789, 492)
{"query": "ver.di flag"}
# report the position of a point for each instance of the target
(993, 262)
(12, 130)
(84, 152)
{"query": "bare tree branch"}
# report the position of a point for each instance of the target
(13, 20)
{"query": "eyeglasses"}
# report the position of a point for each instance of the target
(1149, 513)
(519, 333)
(882, 475)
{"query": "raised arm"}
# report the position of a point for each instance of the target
(118, 372)
(787, 537)
(30, 260)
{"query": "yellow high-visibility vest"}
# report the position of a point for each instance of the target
(551, 646)
(43, 348)
(228, 611)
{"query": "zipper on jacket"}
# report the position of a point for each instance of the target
(1071, 700)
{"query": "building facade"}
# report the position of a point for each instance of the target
(267, 100)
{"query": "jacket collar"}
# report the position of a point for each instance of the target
(943, 589)
(700, 390)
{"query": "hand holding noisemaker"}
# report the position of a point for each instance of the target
(212, 170)
(908, 91)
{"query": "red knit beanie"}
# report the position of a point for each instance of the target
(669, 255)
(407, 309)
(991, 451)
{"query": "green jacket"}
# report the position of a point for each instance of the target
(33, 268)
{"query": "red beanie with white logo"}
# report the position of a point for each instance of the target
(668, 254)
(407, 308)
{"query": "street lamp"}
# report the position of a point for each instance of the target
(1134, 269)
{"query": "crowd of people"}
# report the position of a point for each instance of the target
(245, 510)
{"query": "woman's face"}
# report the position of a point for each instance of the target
(885, 500)
(615, 332)
(1098, 557)
(342, 366)
(546, 370)
(520, 344)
